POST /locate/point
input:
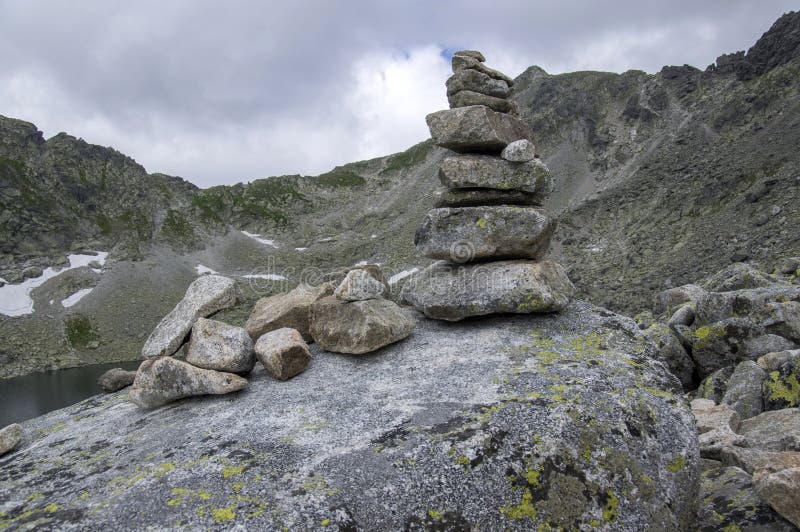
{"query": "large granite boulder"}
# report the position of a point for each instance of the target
(781, 388)
(221, 347)
(288, 309)
(781, 490)
(778, 430)
(358, 327)
(506, 423)
(476, 129)
(484, 171)
(205, 296)
(166, 379)
(116, 379)
(453, 292)
(463, 234)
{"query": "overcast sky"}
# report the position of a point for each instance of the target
(226, 91)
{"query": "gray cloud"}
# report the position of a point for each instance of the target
(226, 91)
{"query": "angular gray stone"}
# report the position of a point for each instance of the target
(753, 460)
(462, 62)
(358, 327)
(485, 171)
(456, 419)
(448, 292)
(472, 80)
(475, 54)
(116, 379)
(773, 361)
(716, 426)
(464, 234)
(221, 347)
(474, 197)
(713, 387)
(739, 276)
(683, 316)
(283, 353)
(728, 501)
(164, 380)
(467, 98)
(10, 437)
(674, 355)
(360, 285)
(721, 344)
(743, 391)
(476, 129)
(668, 301)
(286, 310)
(782, 386)
(519, 151)
(789, 265)
(205, 296)
(777, 430)
(781, 490)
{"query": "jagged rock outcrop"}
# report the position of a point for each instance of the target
(508, 422)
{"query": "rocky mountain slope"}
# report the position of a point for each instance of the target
(660, 179)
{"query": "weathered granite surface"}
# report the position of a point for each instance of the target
(508, 422)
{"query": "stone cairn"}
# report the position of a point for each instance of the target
(488, 226)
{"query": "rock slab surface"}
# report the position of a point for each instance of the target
(506, 423)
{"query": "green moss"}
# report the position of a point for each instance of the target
(223, 515)
(340, 177)
(176, 227)
(677, 464)
(707, 335)
(482, 223)
(779, 388)
(230, 471)
(435, 514)
(524, 509)
(325, 522)
(79, 331)
(163, 469)
(611, 510)
(462, 460)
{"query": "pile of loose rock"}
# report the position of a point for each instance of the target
(488, 226)
(350, 315)
(733, 339)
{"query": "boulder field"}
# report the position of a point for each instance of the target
(509, 422)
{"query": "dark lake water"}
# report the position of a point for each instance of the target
(30, 396)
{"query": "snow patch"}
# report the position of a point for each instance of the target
(74, 298)
(202, 270)
(300, 249)
(260, 240)
(402, 275)
(267, 276)
(15, 299)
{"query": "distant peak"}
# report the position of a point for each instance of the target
(778, 46)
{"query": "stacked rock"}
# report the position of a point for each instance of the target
(488, 225)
